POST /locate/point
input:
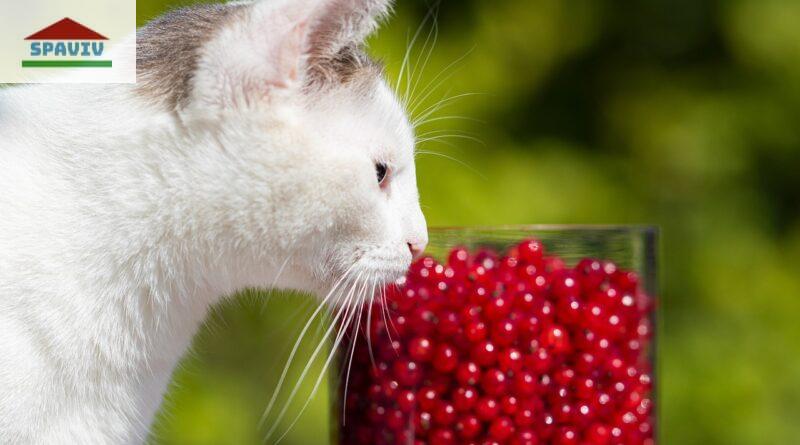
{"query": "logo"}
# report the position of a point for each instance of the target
(66, 44)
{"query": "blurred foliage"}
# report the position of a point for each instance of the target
(680, 113)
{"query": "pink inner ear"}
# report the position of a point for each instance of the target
(297, 48)
(288, 57)
(344, 23)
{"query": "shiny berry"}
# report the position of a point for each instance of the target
(445, 359)
(406, 400)
(497, 308)
(530, 251)
(504, 333)
(525, 383)
(509, 405)
(487, 408)
(494, 382)
(468, 427)
(501, 428)
(565, 283)
(485, 353)
(510, 360)
(567, 435)
(458, 259)
(442, 436)
(407, 372)
(598, 434)
(476, 331)
(444, 413)
(420, 349)
(468, 373)
(556, 338)
(427, 398)
(465, 398)
(525, 437)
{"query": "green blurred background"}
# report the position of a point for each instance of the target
(680, 113)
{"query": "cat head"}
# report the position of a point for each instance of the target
(321, 150)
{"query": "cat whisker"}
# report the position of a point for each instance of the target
(297, 343)
(448, 100)
(343, 314)
(277, 277)
(451, 136)
(348, 318)
(404, 66)
(456, 160)
(368, 334)
(354, 340)
(415, 76)
(386, 315)
(445, 132)
(437, 141)
(303, 309)
(450, 117)
(438, 81)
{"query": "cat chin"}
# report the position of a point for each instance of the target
(380, 276)
(368, 271)
(381, 268)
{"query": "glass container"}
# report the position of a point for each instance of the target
(510, 335)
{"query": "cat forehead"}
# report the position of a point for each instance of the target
(366, 114)
(169, 48)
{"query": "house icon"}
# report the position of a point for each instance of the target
(66, 29)
(66, 44)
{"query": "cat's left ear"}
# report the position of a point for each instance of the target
(346, 23)
(267, 48)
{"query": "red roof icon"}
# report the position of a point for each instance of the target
(66, 29)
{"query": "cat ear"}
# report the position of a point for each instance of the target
(266, 48)
(346, 23)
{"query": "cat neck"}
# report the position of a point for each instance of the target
(150, 241)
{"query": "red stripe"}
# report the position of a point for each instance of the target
(66, 29)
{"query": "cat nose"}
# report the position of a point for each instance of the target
(416, 249)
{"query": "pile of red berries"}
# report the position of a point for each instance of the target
(518, 349)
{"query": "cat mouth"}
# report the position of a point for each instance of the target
(369, 271)
(383, 269)
(378, 274)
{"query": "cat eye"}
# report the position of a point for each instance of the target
(381, 170)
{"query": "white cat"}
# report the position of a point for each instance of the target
(260, 147)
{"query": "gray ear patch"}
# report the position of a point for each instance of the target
(337, 54)
(167, 49)
(349, 64)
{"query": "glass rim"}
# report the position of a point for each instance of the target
(631, 228)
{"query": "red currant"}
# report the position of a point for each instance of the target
(518, 349)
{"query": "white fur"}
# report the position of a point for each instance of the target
(123, 223)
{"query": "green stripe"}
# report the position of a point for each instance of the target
(66, 64)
